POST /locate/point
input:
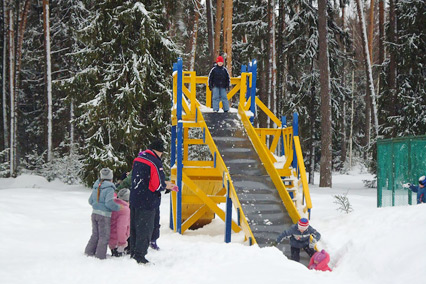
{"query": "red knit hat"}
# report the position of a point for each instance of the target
(303, 224)
(219, 59)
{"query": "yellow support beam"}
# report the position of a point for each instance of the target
(206, 200)
(193, 199)
(268, 112)
(194, 217)
(302, 171)
(264, 155)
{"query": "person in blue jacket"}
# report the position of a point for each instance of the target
(299, 235)
(219, 81)
(148, 180)
(420, 189)
(102, 201)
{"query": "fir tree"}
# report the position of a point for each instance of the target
(125, 66)
(411, 94)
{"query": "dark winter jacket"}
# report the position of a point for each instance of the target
(297, 238)
(219, 77)
(105, 205)
(148, 180)
(125, 183)
(421, 193)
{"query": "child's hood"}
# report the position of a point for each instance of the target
(121, 202)
(105, 184)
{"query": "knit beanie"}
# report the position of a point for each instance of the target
(219, 59)
(303, 224)
(157, 145)
(106, 174)
(422, 180)
(124, 194)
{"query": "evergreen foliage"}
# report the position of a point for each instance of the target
(411, 93)
(126, 101)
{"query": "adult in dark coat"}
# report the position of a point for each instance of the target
(219, 81)
(148, 180)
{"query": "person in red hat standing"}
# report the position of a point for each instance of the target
(219, 81)
(299, 235)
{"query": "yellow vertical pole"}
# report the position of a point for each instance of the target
(243, 88)
(185, 143)
(193, 92)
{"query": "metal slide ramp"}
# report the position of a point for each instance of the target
(260, 201)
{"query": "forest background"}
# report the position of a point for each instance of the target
(87, 84)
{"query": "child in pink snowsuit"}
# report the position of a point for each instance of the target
(319, 261)
(120, 224)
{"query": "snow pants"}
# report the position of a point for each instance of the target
(98, 242)
(156, 231)
(218, 95)
(141, 228)
(295, 252)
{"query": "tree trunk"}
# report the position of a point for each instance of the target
(326, 131)
(210, 29)
(4, 67)
(20, 35)
(11, 93)
(280, 58)
(369, 73)
(72, 139)
(272, 94)
(227, 35)
(48, 76)
(218, 28)
(381, 39)
(344, 138)
(312, 116)
(392, 60)
(194, 36)
(371, 31)
(352, 121)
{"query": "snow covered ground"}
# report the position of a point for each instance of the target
(44, 228)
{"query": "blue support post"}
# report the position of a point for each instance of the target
(172, 163)
(179, 88)
(179, 146)
(295, 133)
(253, 89)
(228, 217)
(248, 92)
(283, 125)
(239, 216)
(179, 177)
(173, 150)
(214, 160)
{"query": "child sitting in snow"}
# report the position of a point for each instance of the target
(420, 189)
(319, 261)
(120, 224)
(102, 201)
(299, 235)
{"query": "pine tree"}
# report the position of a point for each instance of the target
(411, 107)
(125, 63)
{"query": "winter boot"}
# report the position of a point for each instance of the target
(115, 253)
(153, 245)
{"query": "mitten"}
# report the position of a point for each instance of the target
(406, 185)
(175, 188)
